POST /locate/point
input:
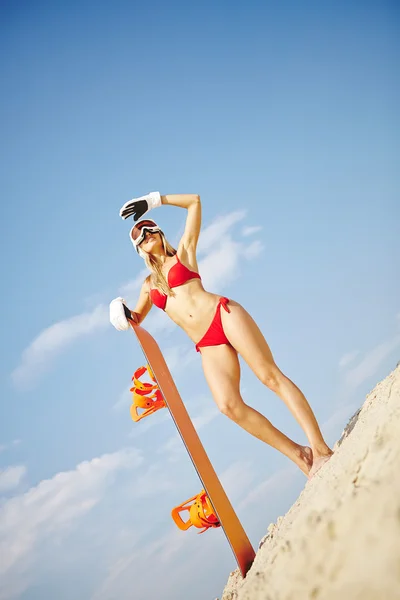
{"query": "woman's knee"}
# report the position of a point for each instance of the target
(232, 408)
(270, 376)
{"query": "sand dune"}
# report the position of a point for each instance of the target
(341, 538)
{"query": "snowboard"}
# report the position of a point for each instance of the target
(232, 527)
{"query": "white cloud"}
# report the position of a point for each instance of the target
(348, 358)
(118, 580)
(176, 554)
(54, 505)
(370, 363)
(124, 400)
(215, 232)
(38, 356)
(220, 266)
(158, 320)
(174, 446)
(156, 480)
(153, 420)
(236, 479)
(339, 417)
(179, 357)
(172, 449)
(107, 588)
(252, 229)
(274, 484)
(253, 250)
(129, 290)
(9, 445)
(11, 477)
(205, 417)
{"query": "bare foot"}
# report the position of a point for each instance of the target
(318, 462)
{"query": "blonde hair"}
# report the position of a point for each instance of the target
(155, 266)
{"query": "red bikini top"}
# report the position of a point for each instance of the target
(177, 275)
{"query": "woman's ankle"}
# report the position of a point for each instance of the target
(321, 450)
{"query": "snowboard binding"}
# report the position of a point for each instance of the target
(146, 396)
(201, 513)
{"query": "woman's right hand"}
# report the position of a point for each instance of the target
(117, 314)
(137, 207)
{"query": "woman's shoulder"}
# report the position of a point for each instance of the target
(146, 283)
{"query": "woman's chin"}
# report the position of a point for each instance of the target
(152, 248)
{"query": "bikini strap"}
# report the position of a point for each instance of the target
(224, 302)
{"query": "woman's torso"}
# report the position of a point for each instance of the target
(190, 306)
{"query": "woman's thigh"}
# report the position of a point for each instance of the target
(247, 339)
(222, 372)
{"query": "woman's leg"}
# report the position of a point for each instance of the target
(222, 371)
(245, 336)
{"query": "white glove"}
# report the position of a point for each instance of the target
(117, 314)
(139, 206)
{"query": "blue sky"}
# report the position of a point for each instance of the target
(284, 118)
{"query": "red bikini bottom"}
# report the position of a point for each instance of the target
(215, 335)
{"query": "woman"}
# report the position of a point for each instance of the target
(220, 328)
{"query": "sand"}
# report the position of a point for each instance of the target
(341, 538)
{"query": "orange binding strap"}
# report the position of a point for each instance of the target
(143, 397)
(201, 513)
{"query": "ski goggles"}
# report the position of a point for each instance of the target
(138, 231)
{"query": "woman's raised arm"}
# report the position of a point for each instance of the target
(193, 221)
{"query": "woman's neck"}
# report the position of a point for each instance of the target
(160, 257)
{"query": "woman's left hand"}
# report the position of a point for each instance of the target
(118, 314)
(137, 207)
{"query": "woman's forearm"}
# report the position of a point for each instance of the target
(181, 200)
